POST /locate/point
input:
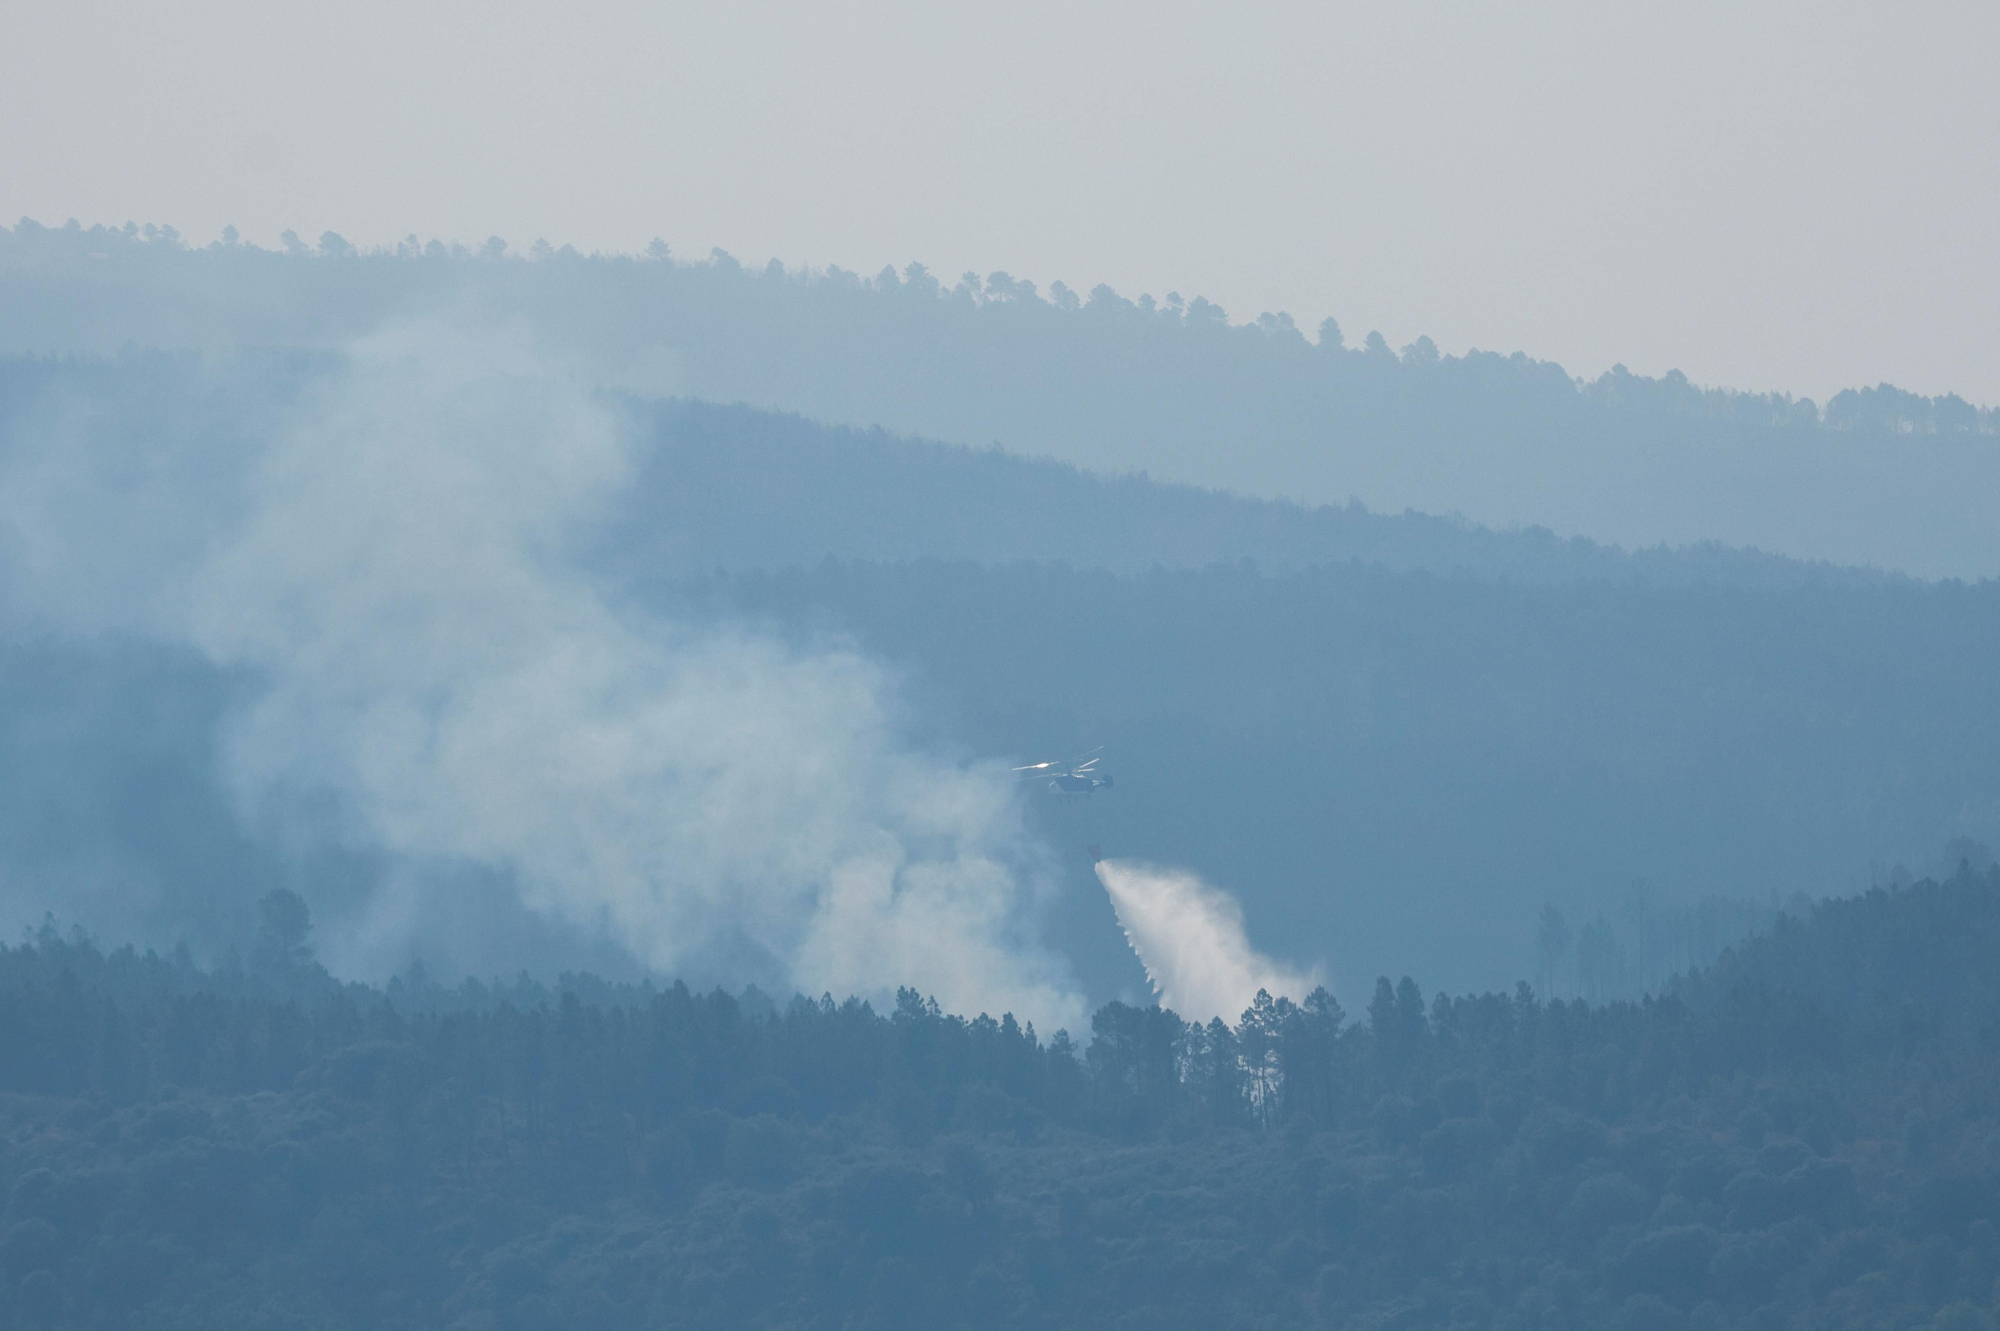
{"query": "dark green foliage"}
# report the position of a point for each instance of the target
(283, 922)
(185, 1149)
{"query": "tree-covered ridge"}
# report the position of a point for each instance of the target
(729, 487)
(1516, 720)
(1168, 387)
(1001, 297)
(1308, 739)
(1777, 1144)
(732, 487)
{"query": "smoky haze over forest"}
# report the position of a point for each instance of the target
(439, 586)
(999, 669)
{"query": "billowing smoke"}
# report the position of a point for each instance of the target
(1190, 938)
(442, 684)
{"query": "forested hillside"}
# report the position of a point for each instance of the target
(1802, 1136)
(736, 488)
(733, 488)
(1170, 386)
(1396, 770)
(1395, 738)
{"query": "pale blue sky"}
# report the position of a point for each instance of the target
(1776, 196)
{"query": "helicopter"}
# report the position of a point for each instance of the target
(1074, 776)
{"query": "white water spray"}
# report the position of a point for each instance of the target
(1190, 938)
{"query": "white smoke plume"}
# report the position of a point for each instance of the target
(1191, 940)
(395, 563)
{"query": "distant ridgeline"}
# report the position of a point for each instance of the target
(736, 488)
(1877, 476)
(1803, 1134)
(320, 295)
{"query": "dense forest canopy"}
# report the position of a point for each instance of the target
(1878, 476)
(1800, 1135)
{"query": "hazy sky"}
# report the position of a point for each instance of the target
(1789, 196)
